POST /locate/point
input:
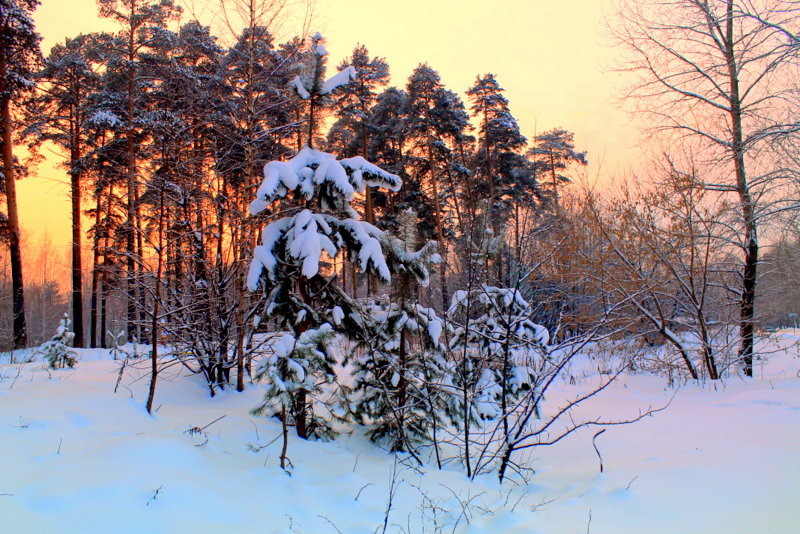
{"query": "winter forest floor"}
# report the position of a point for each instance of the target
(77, 458)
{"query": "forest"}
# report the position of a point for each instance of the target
(399, 258)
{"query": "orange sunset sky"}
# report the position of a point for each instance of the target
(553, 59)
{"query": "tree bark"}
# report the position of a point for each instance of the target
(154, 334)
(747, 304)
(77, 278)
(15, 250)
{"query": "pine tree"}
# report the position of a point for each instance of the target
(349, 135)
(436, 124)
(141, 23)
(398, 381)
(498, 350)
(57, 351)
(19, 54)
(186, 86)
(498, 161)
(59, 114)
(316, 190)
(501, 187)
(387, 143)
(553, 152)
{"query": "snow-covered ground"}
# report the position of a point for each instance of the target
(75, 457)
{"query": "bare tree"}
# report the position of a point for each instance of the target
(667, 255)
(710, 76)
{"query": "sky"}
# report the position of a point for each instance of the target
(553, 58)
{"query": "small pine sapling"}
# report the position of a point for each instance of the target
(299, 365)
(397, 379)
(57, 351)
(499, 353)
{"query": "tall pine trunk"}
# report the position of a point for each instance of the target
(15, 249)
(95, 275)
(77, 277)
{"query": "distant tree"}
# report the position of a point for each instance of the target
(436, 126)
(141, 25)
(387, 147)
(19, 56)
(498, 161)
(503, 187)
(552, 153)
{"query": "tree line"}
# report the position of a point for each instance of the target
(159, 100)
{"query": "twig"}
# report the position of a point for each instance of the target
(212, 422)
(19, 371)
(119, 375)
(594, 444)
(153, 498)
(255, 427)
(541, 505)
(59, 446)
(331, 523)
(365, 486)
(390, 500)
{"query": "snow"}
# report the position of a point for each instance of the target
(297, 85)
(435, 330)
(311, 167)
(262, 254)
(339, 79)
(105, 118)
(307, 243)
(78, 458)
(337, 315)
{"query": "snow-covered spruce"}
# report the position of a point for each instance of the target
(57, 351)
(294, 368)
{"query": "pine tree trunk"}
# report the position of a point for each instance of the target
(141, 297)
(369, 212)
(437, 216)
(95, 275)
(104, 285)
(402, 394)
(241, 288)
(77, 270)
(15, 250)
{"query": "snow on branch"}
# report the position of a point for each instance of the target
(339, 79)
(364, 172)
(311, 169)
